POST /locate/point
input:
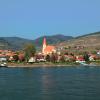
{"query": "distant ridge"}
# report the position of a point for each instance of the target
(14, 43)
(91, 40)
(3, 43)
(17, 43)
(90, 34)
(52, 39)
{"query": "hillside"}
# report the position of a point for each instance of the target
(4, 44)
(14, 43)
(90, 34)
(17, 43)
(52, 39)
(89, 41)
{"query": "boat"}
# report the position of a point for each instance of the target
(3, 64)
(82, 63)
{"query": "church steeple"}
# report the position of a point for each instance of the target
(44, 45)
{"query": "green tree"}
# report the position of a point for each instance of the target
(62, 59)
(16, 58)
(30, 51)
(54, 57)
(48, 58)
(86, 56)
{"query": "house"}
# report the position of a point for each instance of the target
(32, 60)
(2, 59)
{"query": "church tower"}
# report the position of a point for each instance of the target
(44, 46)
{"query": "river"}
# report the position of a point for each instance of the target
(58, 83)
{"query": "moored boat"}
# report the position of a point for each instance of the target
(3, 64)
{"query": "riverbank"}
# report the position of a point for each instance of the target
(14, 65)
(37, 65)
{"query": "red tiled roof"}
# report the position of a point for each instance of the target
(49, 49)
(1, 55)
(1, 50)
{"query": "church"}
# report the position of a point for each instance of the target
(47, 49)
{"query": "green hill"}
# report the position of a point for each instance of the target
(52, 39)
(4, 44)
(89, 41)
(17, 43)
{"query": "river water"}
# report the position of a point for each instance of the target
(63, 83)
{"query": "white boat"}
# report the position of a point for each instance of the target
(3, 64)
(82, 63)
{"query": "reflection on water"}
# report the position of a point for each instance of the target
(71, 83)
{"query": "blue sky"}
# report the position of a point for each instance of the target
(34, 18)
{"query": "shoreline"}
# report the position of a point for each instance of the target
(14, 65)
(37, 65)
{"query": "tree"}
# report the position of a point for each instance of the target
(16, 58)
(54, 57)
(21, 57)
(62, 59)
(48, 58)
(29, 51)
(86, 56)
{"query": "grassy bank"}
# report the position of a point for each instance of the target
(49, 64)
(40, 64)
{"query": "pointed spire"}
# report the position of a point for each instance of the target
(44, 41)
(44, 45)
